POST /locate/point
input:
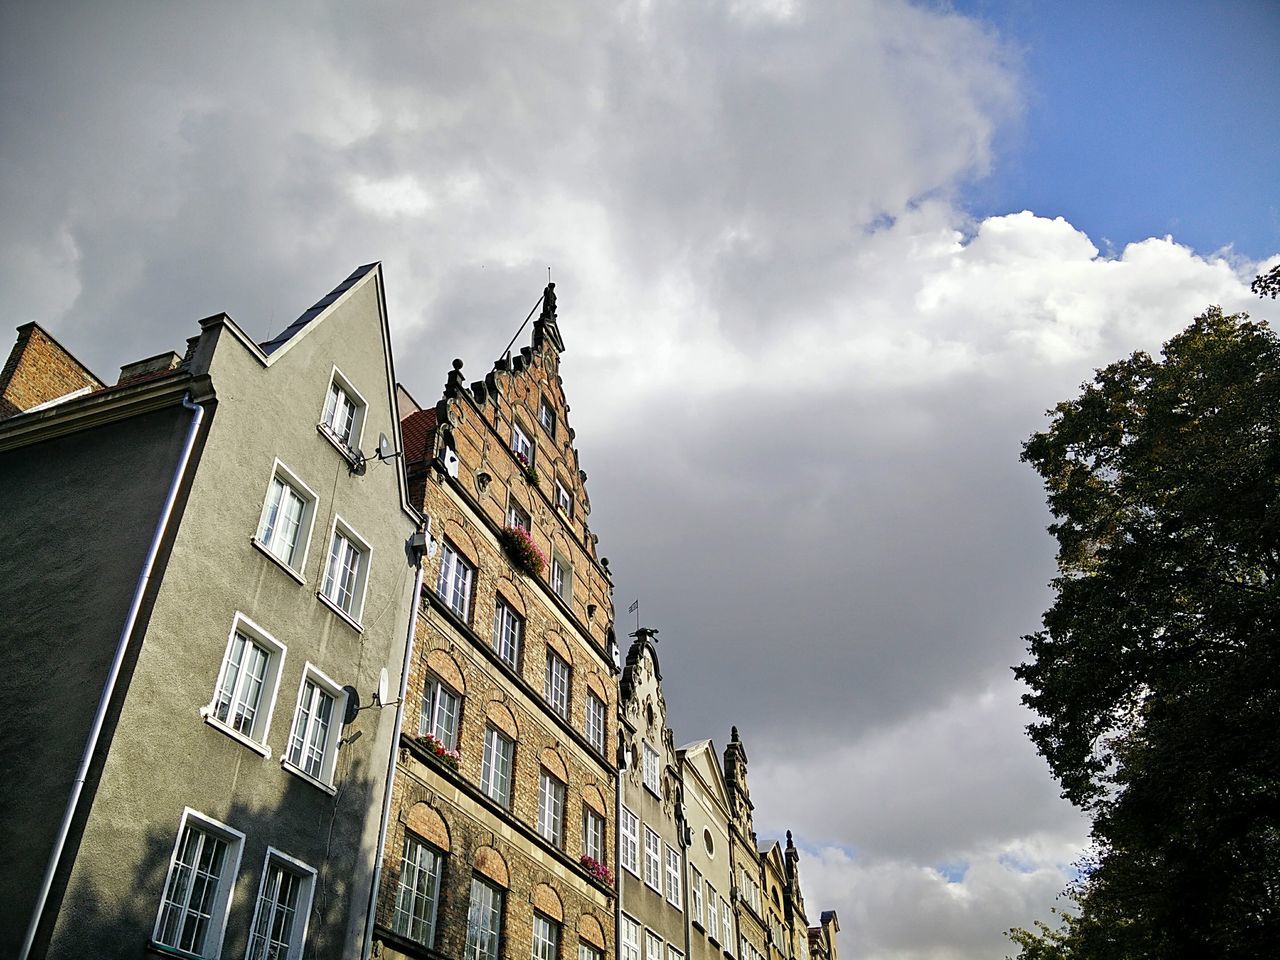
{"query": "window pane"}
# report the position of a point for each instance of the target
(484, 914)
(273, 929)
(417, 892)
(185, 918)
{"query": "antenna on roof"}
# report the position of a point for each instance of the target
(507, 352)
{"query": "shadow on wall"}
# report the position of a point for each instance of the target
(111, 910)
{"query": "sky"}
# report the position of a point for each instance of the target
(821, 268)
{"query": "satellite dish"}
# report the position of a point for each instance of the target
(384, 448)
(353, 704)
(382, 687)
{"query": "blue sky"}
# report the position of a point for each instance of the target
(1143, 119)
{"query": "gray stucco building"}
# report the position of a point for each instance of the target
(204, 568)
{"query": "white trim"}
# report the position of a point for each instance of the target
(302, 911)
(226, 878)
(361, 587)
(242, 624)
(328, 763)
(280, 468)
(62, 399)
(362, 410)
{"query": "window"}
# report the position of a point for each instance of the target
(518, 516)
(630, 939)
(630, 853)
(344, 409)
(245, 694)
(561, 577)
(347, 571)
(551, 809)
(673, 876)
(673, 953)
(508, 631)
(695, 895)
(197, 890)
(284, 902)
(484, 921)
(313, 744)
(546, 938)
(417, 892)
(587, 952)
(726, 922)
(555, 685)
(284, 529)
(564, 502)
(595, 721)
(440, 709)
(652, 946)
(456, 578)
(652, 769)
(713, 920)
(521, 445)
(547, 416)
(495, 770)
(652, 859)
(593, 834)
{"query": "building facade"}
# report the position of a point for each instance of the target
(713, 930)
(204, 577)
(501, 835)
(652, 874)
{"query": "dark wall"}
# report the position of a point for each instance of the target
(76, 517)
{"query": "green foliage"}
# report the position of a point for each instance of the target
(1267, 284)
(1157, 673)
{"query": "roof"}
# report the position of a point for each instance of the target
(288, 333)
(418, 431)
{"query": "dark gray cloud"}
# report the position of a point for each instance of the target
(799, 374)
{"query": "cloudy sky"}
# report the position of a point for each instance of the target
(821, 268)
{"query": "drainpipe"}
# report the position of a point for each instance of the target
(108, 689)
(371, 911)
(617, 841)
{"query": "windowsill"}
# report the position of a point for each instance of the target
(348, 453)
(223, 727)
(657, 890)
(630, 871)
(299, 772)
(403, 944)
(653, 791)
(697, 925)
(160, 950)
(351, 621)
(264, 549)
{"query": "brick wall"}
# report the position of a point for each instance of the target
(39, 370)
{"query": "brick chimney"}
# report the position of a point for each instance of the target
(39, 369)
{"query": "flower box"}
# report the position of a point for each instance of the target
(530, 471)
(450, 758)
(597, 869)
(524, 553)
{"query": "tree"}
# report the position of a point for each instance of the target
(1267, 284)
(1157, 674)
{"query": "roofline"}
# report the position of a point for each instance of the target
(74, 359)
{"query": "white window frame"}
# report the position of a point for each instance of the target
(434, 712)
(545, 407)
(518, 516)
(256, 738)
(595, 719)
(593, 839)
(522, 443)
(713, 911)
(546, 937)
(297, 563)
(551, 800)
(473, 950)
(652, 859)
(652, 945)
(490, 770)
(560, 577)
(409, 891)
(329, 756)
(673, 876)
(360, 588)
(451, 562)
(630, 939)
(673, 953)
(629, 855)
(726, 923)
(557, 683)
(652, 770)
(695, 895)
(508, 632)
(351, 444)
(306, 875)
(587, 951)
(221, 906)
(564, 500)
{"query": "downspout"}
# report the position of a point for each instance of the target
(108, 689)
(617, 840)
(371, 912)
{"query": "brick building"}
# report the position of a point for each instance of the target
(502, 826)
